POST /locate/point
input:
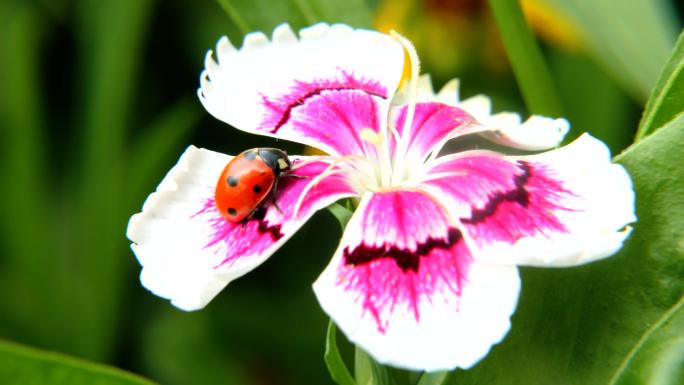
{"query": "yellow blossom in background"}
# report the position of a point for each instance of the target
(461, 35)
(551, 24)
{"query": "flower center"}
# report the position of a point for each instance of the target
(393, 166)
(390, 168)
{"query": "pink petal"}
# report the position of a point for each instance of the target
(564, 207)
(189, 252)
(403, 286)
(320, 89)
(433, 123)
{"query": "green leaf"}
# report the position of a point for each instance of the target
(630, 39)
(367, 371)
(667, 98)
(264, 15)
(659, 356)
(21, 365)
(338, 370)
(594, 324)
(528, 64)
(435, 378)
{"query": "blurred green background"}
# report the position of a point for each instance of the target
(98, 100)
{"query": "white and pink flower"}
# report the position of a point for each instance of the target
(425, 276)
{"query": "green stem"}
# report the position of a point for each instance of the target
(433, 378)
(529, 67)
(367, 371)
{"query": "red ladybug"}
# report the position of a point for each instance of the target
(247, 180)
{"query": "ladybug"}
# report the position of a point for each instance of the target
(247, 180)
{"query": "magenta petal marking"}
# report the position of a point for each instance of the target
(432, 123)
(281, 106)
(258, 235)
(509, 200)
(519, 195)
(409, 252)
(336, 119)
(333, 121)
(528, 210)
(236, 239)
(405, 259)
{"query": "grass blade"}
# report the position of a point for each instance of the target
(110, 61)
(534, 77)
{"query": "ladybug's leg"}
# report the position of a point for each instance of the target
(250, 216)
(275, 194)
(275, 188)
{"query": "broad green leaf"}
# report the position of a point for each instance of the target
(667, 98)
(529, 67)
(21, 365)
(367, 371)
(338, 370)
(591, 324)
(658, 359)
(630, 39)
(264, 15)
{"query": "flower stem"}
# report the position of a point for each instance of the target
(529, 67)
(367, 371)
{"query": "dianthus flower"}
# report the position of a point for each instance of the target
(426, 273)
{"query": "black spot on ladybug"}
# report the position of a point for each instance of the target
(256, 188)
(251, 155)
(232, 181)
(232, 211)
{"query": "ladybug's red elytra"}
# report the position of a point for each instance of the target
(247, 180)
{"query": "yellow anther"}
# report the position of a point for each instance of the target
(370, 136)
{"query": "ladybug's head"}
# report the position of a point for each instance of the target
(276, 159)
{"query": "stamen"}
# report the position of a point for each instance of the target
(441, 175)
(371, 136)
(339, 165)
(329, 159)
(413, 81)
(402, 145)
(382, 147)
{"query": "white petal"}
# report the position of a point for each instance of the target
(403, 286)
(189, 252)
(266, 86)
(564, 207)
